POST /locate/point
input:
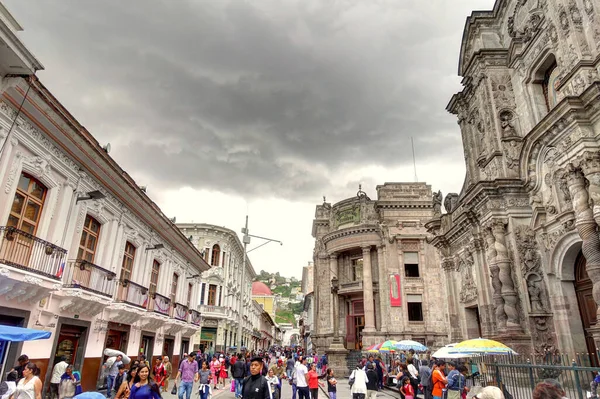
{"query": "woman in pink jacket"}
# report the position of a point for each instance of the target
(215, 366)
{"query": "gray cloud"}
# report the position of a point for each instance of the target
(249, 97)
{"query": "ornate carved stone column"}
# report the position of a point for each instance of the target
(509, 295)
(384, 298)
(368, 291)
(333, 267)
(586, 226)
(490, 244)
(449, 267)
(590, 165)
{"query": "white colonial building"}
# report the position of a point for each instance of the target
(84, 253)
(222, 290)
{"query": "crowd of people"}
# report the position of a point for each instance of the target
(260, 375)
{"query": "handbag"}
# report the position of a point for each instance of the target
(232, 386)
(174, 390)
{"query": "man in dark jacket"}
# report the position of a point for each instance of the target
(238, 372)
(256, 386)
(373, 381)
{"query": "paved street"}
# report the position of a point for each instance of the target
(343, 392)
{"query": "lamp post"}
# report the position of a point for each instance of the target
(246, 241)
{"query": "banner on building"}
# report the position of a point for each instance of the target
(395, 295)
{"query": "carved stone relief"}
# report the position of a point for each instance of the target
(468, 290)
(525, 21)
(531, 269)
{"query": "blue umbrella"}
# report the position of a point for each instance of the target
(407, 344)
(19, 334)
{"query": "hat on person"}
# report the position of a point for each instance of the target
(490, 392)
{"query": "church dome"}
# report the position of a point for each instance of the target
(259, 288)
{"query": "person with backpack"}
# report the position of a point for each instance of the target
(256, 385)
(426, 384)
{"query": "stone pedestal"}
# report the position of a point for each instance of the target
(336, 358)
(519, 342)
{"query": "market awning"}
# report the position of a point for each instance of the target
(19, 334)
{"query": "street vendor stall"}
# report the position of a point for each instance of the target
(10, 334)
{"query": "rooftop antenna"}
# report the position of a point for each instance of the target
(414, 161)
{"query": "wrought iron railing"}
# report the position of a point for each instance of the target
(218, 310)
(196, 317)
(518, 376)
(25, 251)
(180, 311)
(89, 277)
(159, 304)
(132, 294)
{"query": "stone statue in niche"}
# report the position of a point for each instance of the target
(507, 124)
(450, 202)
(561, 185)
(437, 203)
(534, 289)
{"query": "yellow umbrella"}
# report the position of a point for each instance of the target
(482, 345)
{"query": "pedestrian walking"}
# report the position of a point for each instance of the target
(125, 388)
(273, 381)
(238, 373)
(111, 367)
(143, 386)
(30, 386)
(256, 385)
(372, 381)
(168, 373)
(204, 376)
(57, 372)
(215, 367)
(331, 384)
(358, 381)
(188, 371)
(70, 384)
(23, 360)
(301, 383)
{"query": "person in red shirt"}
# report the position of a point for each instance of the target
(407, 389)
(313, 382)
(439, 379)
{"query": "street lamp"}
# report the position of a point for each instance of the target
(246, 241)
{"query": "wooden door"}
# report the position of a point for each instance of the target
(359, 325)
(587, 305)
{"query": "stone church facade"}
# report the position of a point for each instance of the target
(519, 245)
(375, 275)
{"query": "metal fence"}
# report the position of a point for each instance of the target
(517, 376)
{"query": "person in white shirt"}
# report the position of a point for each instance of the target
(57, 372)
(301, 383)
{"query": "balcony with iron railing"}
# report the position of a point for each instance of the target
(180, 312)
(89, 277)
(159, 304)
(213, 311)
(132, 294)
(25, 251)
(195, 317)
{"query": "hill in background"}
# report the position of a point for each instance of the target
(290, 299)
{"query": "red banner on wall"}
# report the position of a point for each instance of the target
(395, 294)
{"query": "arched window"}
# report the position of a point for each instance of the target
(550, 76)
(216, 255)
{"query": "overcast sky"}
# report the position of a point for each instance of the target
(264, 106)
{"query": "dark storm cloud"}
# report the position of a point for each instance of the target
(254, 96)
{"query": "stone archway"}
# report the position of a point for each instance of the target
(561, 288)
(585, 300)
